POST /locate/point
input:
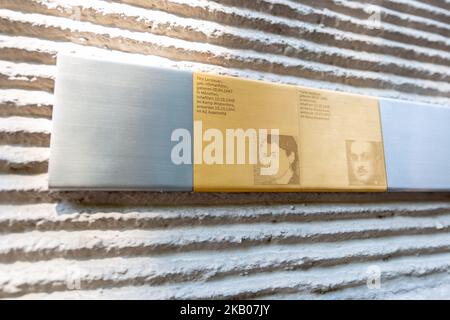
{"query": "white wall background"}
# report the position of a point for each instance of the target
(183, 245)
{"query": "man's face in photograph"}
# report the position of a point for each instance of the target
(363, 163)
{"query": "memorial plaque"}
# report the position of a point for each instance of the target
(326, 140)
(125, 126)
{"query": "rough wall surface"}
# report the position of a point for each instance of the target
(184, 245)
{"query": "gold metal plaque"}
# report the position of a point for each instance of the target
(257, 136)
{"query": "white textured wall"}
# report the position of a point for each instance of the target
(183, 245)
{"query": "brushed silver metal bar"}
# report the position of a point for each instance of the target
(416, 145)
(112, 124)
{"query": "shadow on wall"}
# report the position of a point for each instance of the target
(226, 198)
